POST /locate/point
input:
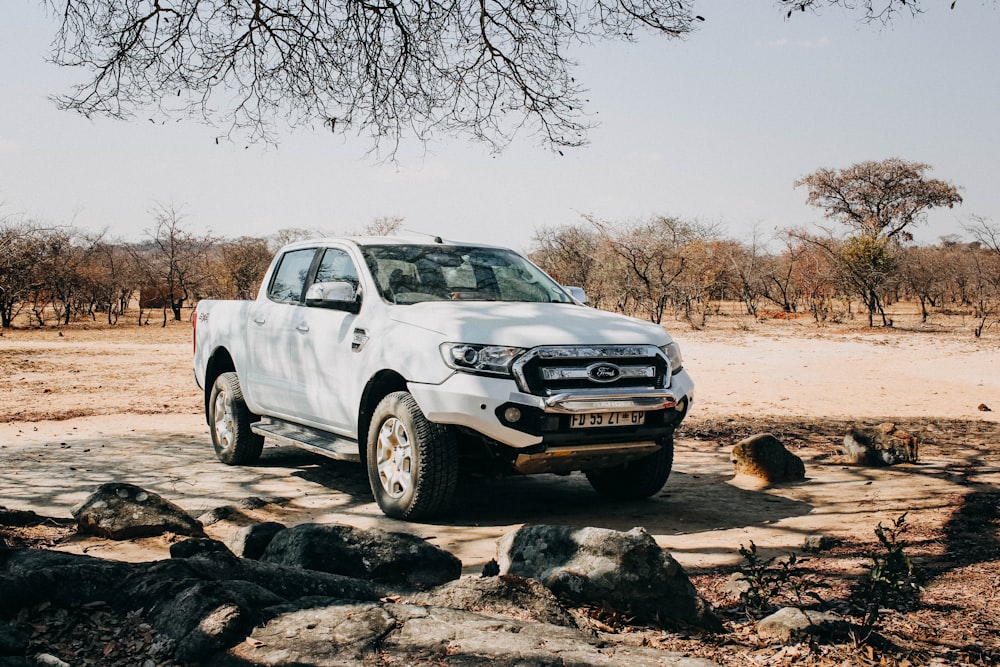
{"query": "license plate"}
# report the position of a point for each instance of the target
(598, 419)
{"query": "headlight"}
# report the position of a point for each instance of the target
(673, 352)
(492, 359)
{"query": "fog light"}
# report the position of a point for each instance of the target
(511, 415)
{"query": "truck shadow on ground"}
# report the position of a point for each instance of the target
(688, 503)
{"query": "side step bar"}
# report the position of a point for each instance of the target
(314, 440)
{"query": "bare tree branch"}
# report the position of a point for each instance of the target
(390, 68)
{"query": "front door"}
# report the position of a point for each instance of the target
(327, 346)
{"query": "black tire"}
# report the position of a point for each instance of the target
(229, 421)
(412, 463)
(637, 479)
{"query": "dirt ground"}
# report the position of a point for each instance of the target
(83, 406)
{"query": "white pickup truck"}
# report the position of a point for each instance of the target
(424, 359)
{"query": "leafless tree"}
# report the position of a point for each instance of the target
(654, 255)
(112, 277)
(288, 235)
(177, 260)
(985, 231)
(62, 268)
(573, 256)
(21, 249)
(485, 69)
(881, 11)
(864, 265)
(986, 277)
(878, 198)
(925, 270)
(243, 264)
(482, 68)
(748, 263)
(780, 275)
(384, 225)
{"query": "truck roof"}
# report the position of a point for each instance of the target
(362, 241)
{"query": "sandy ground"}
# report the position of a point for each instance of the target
(86, 406)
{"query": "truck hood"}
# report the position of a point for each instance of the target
(527, 324)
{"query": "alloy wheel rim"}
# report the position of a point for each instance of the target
(223, 420)
(394, 458)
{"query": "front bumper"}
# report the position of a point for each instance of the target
(481, 404)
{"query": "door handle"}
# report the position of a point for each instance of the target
(259, 320)
(304, 328)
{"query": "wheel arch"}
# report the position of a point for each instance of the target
(220, 362)
(379, 386)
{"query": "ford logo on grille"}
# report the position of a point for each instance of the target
(604, 372)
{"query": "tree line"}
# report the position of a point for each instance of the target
(653, 268)
(668, 267)
(57, 274)
(662, 265)
(54, 275)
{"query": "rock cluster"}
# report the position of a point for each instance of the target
(336, 595)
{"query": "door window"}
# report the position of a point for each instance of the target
(337, 267)
(290, 279)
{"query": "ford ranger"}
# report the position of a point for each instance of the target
(423, 359)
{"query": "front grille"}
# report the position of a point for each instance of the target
(545, 371)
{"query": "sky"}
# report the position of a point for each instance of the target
(715, 128)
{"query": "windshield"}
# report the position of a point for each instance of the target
(409, 274)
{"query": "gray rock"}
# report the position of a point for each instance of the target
(32, 576)
(251, 541)
(163, 580)
(198, 546)
(885, 445)
(792, 625)
(763, 456)
(340, 634)
(255, 503)
(10, 517)
(817, 543)
(398, 559)
(204, 607)
(505, 595)
(122, 511)
(207, 617)
(628, 571)
(217, 514)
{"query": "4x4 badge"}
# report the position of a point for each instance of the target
(604, 372)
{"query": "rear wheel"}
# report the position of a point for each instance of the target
(412, 463)
(229, 420)
(637, 479)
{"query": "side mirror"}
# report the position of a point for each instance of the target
(578, 294)
(334, 295)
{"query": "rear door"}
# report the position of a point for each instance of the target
(271, 330)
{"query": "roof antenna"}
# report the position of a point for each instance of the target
(437, 239)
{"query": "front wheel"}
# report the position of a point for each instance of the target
(229, 420)
(637, 479)
(412, 463)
